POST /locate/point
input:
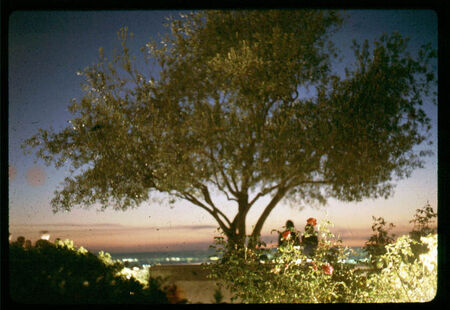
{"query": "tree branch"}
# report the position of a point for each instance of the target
(208, 199)
(219, 187)
(234, 183)
(282, 190)
(222, 173)
(263, 193)
(278, 196)
(192, 199)
(294, 184)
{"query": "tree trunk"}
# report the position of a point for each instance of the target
(237, 233)
(262, 219)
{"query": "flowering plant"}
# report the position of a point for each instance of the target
(327, 269)
(404, 280)
(288, 275)
(286, 235)
(311, 221)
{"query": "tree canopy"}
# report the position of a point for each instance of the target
(228, 112)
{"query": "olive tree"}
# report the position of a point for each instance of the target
(228, 112)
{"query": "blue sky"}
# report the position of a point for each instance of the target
(47, 48)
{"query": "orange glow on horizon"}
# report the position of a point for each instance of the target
(143, 239)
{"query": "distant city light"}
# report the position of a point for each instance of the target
(130, 260)
(45, 235)
(173, 259)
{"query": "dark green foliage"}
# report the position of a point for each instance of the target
(327, 277)
(423, 220)
(59, 274)
(376, 245)
(288, 276)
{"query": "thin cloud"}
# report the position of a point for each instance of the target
(367, 232)
(101, 225)
(194, 227)
(172, 227)
(119, 226)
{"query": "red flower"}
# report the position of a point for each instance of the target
(314, 265)
(286, 235)
(327, 269)
(311, 221)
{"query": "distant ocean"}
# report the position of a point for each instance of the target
(194, 257)
(144, 259)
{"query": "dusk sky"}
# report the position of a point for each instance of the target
(47, 48)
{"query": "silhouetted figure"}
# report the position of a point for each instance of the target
(20, 241)
(28, 244)
(309, 237)
(42, 243)
(288, 235)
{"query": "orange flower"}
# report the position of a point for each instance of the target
(311, 221)
(327, 269)
(286, 235)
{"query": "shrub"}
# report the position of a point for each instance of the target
(54, 273)
(423, 226)
(376, 245)
(404, 280)
(291, 277)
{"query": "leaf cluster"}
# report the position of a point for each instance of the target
(59, 273)
(376, 245)
(404, 279)
(286, 275)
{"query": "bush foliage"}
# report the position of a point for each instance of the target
(404, 279)
(60, 273)
(290, 276)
